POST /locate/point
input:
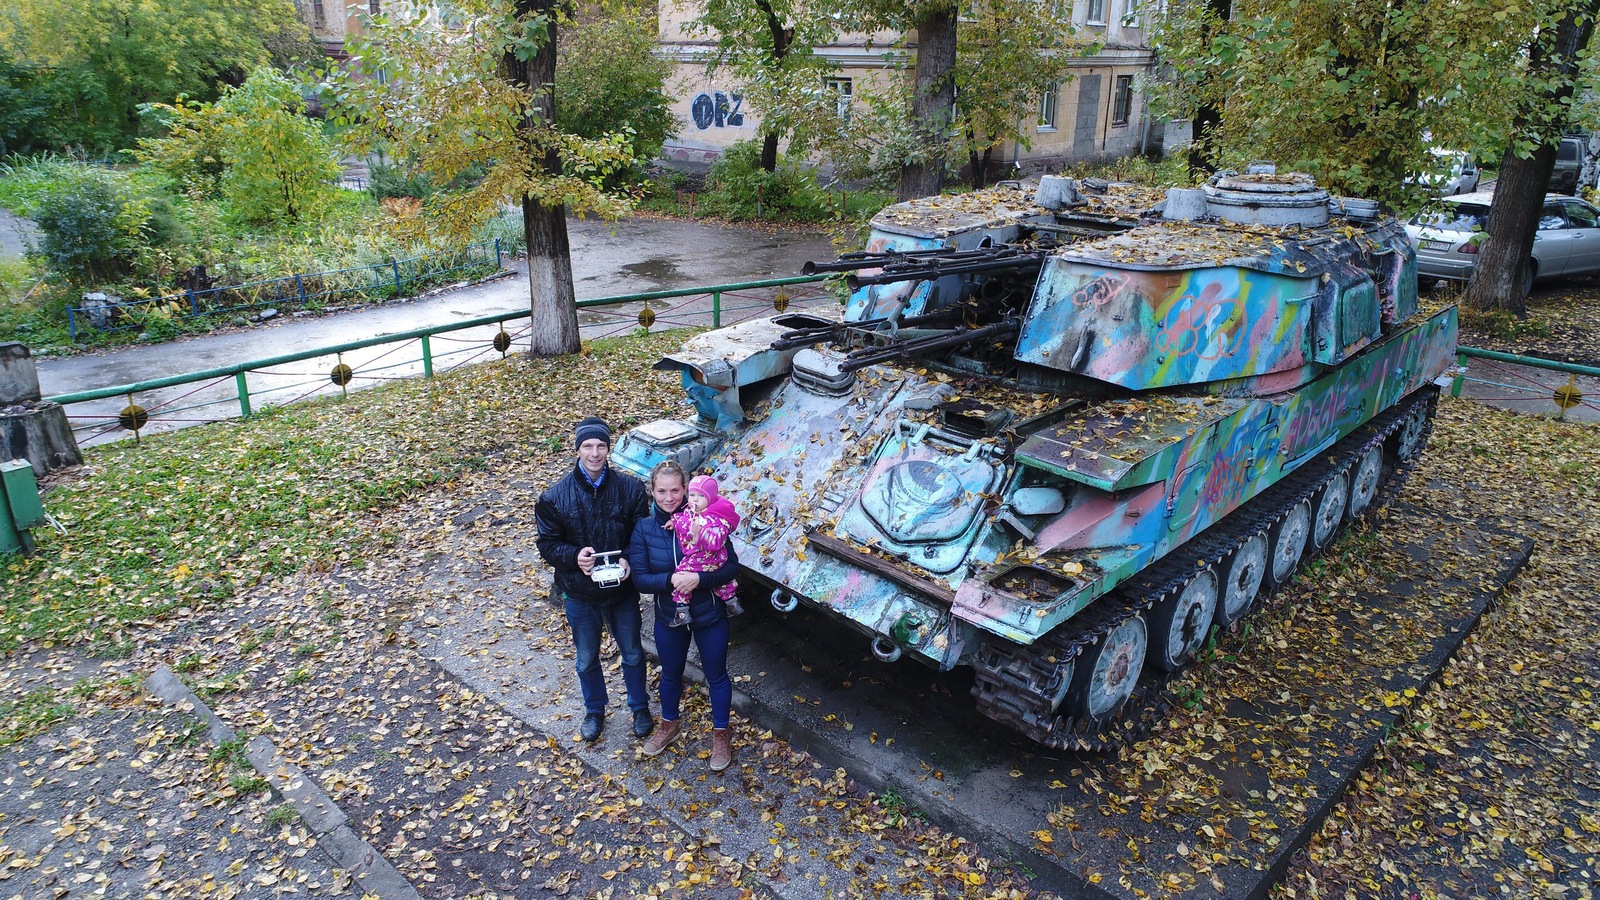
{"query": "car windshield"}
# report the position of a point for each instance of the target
(1455, 217)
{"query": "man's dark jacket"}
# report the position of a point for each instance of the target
(573, 514)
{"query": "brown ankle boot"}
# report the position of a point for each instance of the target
(721, 749)
(666, 733)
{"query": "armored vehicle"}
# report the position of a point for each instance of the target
(1058, 436)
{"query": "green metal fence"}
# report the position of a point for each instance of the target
(1500, 381)
(240, 389)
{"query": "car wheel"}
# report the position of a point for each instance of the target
(1527, 279)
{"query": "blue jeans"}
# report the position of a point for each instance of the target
(622, 620)
(672, 645)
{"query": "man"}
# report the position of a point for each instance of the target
(592, 510)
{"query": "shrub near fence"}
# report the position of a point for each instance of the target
(395, 278)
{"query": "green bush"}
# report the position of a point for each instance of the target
(81, 229)
(738, 188)
(507, 228)
(398, 180)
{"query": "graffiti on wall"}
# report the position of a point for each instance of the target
(717, 109)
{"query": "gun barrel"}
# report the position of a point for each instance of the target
(849, 262)
(931, 272)
(960, 337)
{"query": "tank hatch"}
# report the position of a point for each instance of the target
(939, 218)
(1114, 446)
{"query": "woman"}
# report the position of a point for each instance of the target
(653, 556)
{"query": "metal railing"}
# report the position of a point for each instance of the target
(239, 389)
(388, 279)
(1506, 384)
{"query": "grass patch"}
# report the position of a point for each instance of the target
(282, 814)
(37, 712)
(1503, 325)
(246, 785)
(183, 521)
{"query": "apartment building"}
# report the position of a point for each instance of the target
(332, 21)
(1099, 113)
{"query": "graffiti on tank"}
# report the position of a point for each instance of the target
(1323, 418)
(1209, 326)
(1104, 288)
(717, 110)
(1230, 470)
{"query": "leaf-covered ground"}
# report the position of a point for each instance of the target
(1563, 323)
(356, 580)
(1492, 789)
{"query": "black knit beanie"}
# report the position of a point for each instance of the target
(590, 429)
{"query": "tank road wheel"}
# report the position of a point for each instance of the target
(1289, 542)
(1180, 622)
(1408, 437)
(1364, 481)
(1107, 672)
(1328, 510)
(1241, 580)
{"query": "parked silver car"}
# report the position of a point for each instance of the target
(1447, 237)
(1453, 172)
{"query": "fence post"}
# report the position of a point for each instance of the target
(244, 394)
(427, 357)
(497, 263)
(72, 326)
(716, 309)
(396, 264)
(1455, 384)
(194, 303)
(300, 287)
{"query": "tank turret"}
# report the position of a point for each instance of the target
(1058, 436)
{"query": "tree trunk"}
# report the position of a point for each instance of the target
(550, 286)
(555, 308)
(1206, 128)
(933, 96)
(769, 151)
(980, 167)
(1500, 280)
(781, 39)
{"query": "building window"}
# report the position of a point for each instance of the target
(318, 13)
(375, 7)
(1047, 108)
(1097, 12)
(842, 90)
(1130, 14)
(1122, 100)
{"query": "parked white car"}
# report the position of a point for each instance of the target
(1453, 172)
(1447, 237)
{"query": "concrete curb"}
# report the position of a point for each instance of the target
(324, 817)
(1048, 873)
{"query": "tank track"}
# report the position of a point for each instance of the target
(1019, 685)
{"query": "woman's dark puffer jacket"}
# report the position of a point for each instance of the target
(653, 556)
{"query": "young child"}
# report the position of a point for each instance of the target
(703, 526)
